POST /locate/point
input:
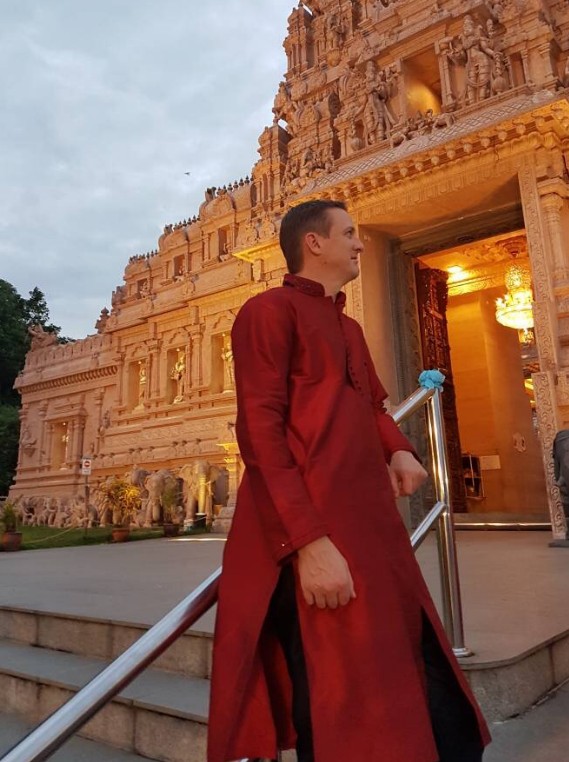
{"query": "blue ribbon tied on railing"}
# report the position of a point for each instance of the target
(432, 379)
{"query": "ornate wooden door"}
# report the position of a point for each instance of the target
(432, 297)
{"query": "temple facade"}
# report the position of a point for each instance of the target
(444, 126)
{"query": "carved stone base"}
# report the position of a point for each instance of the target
(222, 523)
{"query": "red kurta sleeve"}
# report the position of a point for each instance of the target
(391, 436)
(262, 340)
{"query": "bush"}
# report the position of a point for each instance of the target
(8, 517)
(122, 498)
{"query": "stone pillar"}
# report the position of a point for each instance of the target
(197, 362)
(549, 76)
(546, 405)
(546, 332)
(49, 445)
(98, 396)
(526, 68)
(545, 311)
(44, 450)
(188, 371)
(122, 379)
(552, 204)
(232, 461)
(189, 364)
(80, 439)
(153, 369)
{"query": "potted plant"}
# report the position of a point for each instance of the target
(170, 499)
(11, 537)
(123, 501)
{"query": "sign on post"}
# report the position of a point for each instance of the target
(86, 464)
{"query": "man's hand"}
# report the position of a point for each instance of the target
(406, 473)
(325, 578)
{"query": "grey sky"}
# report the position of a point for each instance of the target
(104, 106)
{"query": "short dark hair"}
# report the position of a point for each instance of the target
(308, 217)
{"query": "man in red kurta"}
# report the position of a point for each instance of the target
(326, 636)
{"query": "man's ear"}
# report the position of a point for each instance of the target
(313, 243)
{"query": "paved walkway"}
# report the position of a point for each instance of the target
(515, 588)
(515, 593)
(540, 735)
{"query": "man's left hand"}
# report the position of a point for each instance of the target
(406, 473)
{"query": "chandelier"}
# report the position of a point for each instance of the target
(514, 309)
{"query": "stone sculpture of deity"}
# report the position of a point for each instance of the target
(178, 374)
(476, 51)
(141, 383)
(378, 119)
(228, 370)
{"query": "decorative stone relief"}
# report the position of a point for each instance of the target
(420, 124)
(377, 116)
(548, 425)
(478, 52)
(40, 338)
(102, 321)
(546, 338)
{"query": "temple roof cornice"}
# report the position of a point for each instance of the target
(513, 125)
(35, 384)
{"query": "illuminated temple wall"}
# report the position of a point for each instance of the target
(377, 108)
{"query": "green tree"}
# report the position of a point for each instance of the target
(9, 439)
(14, 340)
(37, 311)
(16, 315)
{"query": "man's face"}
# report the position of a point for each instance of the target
(340, 251)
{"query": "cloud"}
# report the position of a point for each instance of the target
(106, 106)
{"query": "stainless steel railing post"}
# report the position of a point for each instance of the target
(448, 564)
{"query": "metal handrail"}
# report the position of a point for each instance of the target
(53, 732)
(441, 514)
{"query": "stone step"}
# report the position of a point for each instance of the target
(504, 687)
(103, 639)
(161, 715)
(508, 687)
(12, 729)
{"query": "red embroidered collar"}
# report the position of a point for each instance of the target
(311, 287)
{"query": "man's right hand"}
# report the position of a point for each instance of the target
(325, 577)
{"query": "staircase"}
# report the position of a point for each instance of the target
(515, 591)
(162, 715)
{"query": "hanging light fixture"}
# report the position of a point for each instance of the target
(514, 309)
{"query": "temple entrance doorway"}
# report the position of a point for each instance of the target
(474, 303)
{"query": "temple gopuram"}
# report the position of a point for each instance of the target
(444, 126)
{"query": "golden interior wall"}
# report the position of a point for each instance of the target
(494, 410)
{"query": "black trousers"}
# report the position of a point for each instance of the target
(454, 723)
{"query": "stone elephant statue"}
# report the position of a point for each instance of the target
(199, 478)
(156, 483)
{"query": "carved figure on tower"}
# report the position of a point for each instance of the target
(178, 374)
(378, 119)
(335, 32)
(141, 384)
(40, 337)
(476, 51)
(227, 357)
